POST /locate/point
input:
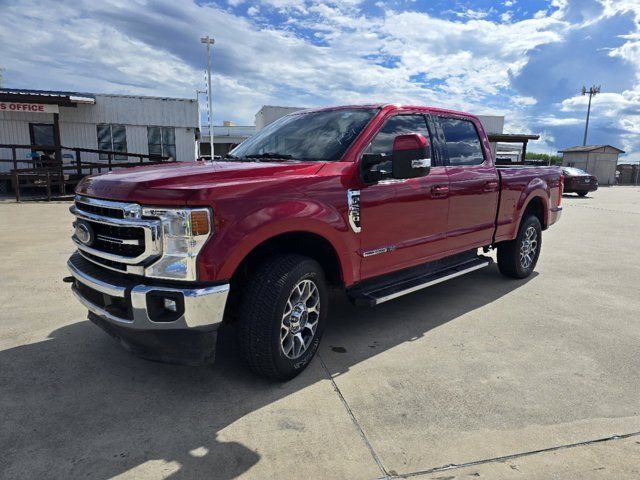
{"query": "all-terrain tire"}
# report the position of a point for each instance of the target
(262, 310)
(515, 258)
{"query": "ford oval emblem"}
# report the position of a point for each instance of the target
(84, 233)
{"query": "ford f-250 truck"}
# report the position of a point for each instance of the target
(378, 200)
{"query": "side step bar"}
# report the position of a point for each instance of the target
(376, 295)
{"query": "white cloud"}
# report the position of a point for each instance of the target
(556, 121)
(325, 53)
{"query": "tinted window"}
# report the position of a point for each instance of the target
(399, 125)
(162, 141)
(113, 138)
(323, 135)
(382, 144)
(463, 143)
(571, 171)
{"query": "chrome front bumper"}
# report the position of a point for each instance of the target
(200, 308)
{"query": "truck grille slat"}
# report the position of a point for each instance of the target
(98, 210)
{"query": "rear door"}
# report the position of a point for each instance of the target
(473, 184)
(404, 222)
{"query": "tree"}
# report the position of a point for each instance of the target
(548, 159)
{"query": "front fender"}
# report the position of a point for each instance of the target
(240, 234)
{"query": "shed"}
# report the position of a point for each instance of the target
(598, 160)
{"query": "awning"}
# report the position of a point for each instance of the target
(63, 99)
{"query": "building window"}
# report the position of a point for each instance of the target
(463, 144)
(114, 138)
(162, 141)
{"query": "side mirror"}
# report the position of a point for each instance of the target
(411, 156)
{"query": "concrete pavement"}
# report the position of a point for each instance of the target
(499, 378)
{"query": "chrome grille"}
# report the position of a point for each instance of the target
(125, 241)
(121, 239)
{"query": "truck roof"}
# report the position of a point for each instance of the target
(389, 106)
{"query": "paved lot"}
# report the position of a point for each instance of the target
(480, 374)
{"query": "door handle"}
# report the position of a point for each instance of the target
(490, 186)
(439, 190)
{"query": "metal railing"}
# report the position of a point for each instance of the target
(50, 169)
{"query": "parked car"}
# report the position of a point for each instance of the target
(578, 181)
(379, 201)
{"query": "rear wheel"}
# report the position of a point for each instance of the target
(582, 194)
(282, 316)
(518, 258)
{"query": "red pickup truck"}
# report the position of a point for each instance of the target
(378, 200)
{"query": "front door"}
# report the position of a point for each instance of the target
(403, 222)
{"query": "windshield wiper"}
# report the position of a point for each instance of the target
(270, 156)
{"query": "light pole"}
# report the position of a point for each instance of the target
(208, 42)
(592, 93)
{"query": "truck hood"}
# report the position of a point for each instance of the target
(175, 183)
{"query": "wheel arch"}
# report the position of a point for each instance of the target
(305, 243)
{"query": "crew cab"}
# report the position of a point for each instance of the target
(377, 200)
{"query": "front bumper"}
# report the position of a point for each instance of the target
(132, 311)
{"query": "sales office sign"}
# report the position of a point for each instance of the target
(28, 107)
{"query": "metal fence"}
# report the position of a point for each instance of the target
(46, 166)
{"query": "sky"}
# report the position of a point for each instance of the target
(524, 59)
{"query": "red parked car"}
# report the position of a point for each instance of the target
(378, 200)
(578, 181)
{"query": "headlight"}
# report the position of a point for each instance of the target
(184, 233)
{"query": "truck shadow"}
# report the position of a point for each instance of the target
(78, 405)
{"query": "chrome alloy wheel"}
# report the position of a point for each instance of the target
(300, 319)
(529, 247)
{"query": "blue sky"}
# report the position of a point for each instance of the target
(525, 59)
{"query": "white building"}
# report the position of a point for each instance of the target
(122, 123)
(598, 160)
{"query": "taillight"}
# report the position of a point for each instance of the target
(561, 189)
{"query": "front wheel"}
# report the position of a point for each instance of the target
(282, 316)
(518, 258)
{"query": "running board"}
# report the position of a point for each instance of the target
(383, 293)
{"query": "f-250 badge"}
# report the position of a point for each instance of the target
(353, 200)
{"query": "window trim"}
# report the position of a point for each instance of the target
(447, 161)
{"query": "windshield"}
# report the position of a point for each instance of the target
(320, 136)
(572, 171)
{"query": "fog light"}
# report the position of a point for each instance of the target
(170, 304)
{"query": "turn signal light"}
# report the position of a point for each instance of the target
(199, 222)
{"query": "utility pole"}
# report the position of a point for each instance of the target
(208, 42)
(592, 93)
